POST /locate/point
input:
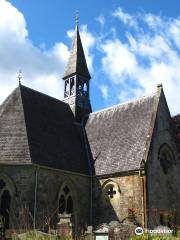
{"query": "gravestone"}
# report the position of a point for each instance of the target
(102, 233)
(64, 227)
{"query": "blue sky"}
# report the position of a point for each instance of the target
(130, 46)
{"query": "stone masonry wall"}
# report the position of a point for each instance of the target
(21, 183)
(49, 185)
(127, 200)
(162, 189)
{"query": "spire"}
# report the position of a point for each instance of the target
(77, 62)
(76, 79)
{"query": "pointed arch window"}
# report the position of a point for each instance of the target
(65, 201)
(72, 86)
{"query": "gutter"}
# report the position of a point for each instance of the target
(142, 175)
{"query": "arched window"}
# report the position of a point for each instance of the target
(72, 86)
(65, 201)
(166, 158)
(67, 88)
(110, 191)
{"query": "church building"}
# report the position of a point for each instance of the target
(59, 161)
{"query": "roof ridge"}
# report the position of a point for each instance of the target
(25, 123)
(41, 93)
(124, 103)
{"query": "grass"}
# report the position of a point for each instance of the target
(36, 235)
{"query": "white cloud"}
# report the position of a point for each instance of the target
(126, 18)
(105, 91)
(41, 69)
(101, 20)
(151, 55)
(88, 41)
(118, 60)
(12, 22)
(174, 31)
(153, 21)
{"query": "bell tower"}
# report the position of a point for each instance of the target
(76, 80)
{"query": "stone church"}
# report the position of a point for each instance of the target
(60, 159)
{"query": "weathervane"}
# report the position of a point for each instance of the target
(19, 76)
(77, 17)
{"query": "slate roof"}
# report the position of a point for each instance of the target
(118, 135)
(77, 62)
(14, 146)
(36, 128)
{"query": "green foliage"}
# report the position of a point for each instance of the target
(132, 215)
(34, 235)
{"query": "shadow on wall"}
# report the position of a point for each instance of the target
(102, 196)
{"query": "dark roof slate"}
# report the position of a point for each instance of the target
(77, 61)
(14, 146)
(45, 130)
(36, 128)
(118, 135)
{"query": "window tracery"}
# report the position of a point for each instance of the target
(110, 191)
(65, 201)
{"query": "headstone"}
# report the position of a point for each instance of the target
(64, 227)
(102, 238)
(102, 233)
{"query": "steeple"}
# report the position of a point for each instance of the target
(76, 77)
(77, 61)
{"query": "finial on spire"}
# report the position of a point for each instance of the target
(159, 85)
(77, 17)
(19, 76)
